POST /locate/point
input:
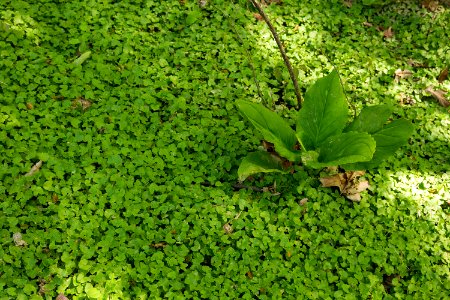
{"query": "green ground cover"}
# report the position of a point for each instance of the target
(139, 146)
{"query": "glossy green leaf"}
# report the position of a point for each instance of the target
(273, 128)
(92, 292)
(345, 148)
(259, 162)
(388, 139)
(324, 112)
(371, 119)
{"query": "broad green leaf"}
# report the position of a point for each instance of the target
(345, 148)
(92, 292)
(371, 119)
(259, 162)
(389, 139)
(192, 17)
(273, 128)
(324, 112)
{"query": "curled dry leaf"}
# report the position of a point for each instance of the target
(430, 5)
(81, 102)
(61, 297)
(367, 24)
(443, 75)
(202, 3)
(348, 184)
(18, 240)
(55, 198)
(402, 74)
(159, 245)
(249, 274)
(303, 201)
(438, 95)
(227, 228)
(388, 33)
(35, 168)
(258, 17)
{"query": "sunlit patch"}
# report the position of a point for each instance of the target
(428, 191)
(22, 24)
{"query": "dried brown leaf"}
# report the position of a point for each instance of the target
(353, 175)
(358, 188)
(402, 74)
(227, 228)
(55, 198)
(388, 33)
(430, 5)
(258, 17)
(348, 184)
(159, 245)
(367, 24)
(35, 168)
(18, 240)
(443, 75)
(354, 197)
(29, 105)
(249, 274)
(42, 287)
(61, 297)
(81, 102)
(335, 180)
(439, 96)
(303, 201)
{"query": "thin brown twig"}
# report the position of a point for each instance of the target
(282, 51)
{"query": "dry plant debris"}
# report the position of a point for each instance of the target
(348, 184)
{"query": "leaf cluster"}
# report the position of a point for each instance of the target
(323, 134)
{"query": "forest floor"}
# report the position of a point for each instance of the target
(120, 143)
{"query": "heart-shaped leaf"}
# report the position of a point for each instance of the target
(273, 128)
(345, 148)
(324, 112)
(391, 137)
(259, 162)
(371, 119)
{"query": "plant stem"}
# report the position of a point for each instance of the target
(282, 51)
(247, 52)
